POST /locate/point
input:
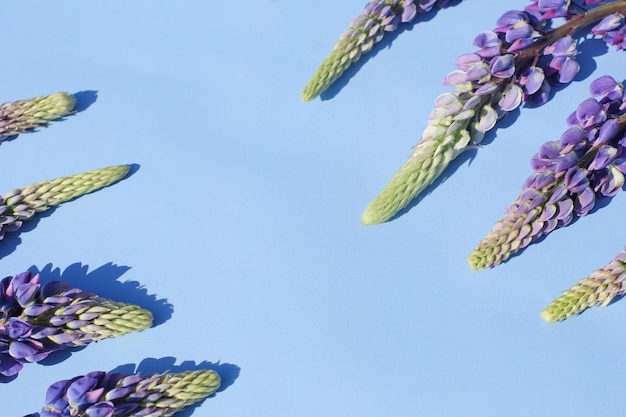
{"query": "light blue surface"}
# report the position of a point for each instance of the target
(241, 231)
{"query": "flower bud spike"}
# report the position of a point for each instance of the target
(599, 289)
(20, 205)
(122, 395)
(25, 115)
(378, 18)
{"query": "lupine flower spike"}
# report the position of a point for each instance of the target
(101, 394)
(369, 28)
(514, 63)
(24, 115)
(588, 162)
(598, 289)
(20, 205)
(37, 320)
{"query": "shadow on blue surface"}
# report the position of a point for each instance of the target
(84, 99)
(10, 241)
(228, 373)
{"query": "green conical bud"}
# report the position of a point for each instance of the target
(23, 115)
(600, 288)
(19, 205)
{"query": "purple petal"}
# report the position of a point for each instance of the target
(541, 96)
(566, 162)
(531, 79)
(489, 44)
(63, 339)
(602, 85)
(520, 44)
(573, 136)
(454, 78)
(576, 179)
(9, 366)
(60, 320)
(604, 156)
(510, 18)
(20, 279)
(590, 112)
(558, 194)
(486, 89)
(409, 13)
(565, 46)
(569, 70)
(79, 388)
(584, 201)
(565, 210)
(26, 293)
(477, 72)
(465, 61)
(118, 392)
(608, 131)
(512, 98)
(518, 30)
(102, 409)
(550, 150)
(502, 66)
(21, 350)
(16, 328)
(57, 392)
(609, 23)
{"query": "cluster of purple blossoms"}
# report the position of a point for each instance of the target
(37, 320)
(569, 174)
(516, 62)
(367, 29)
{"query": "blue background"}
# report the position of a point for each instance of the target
(241, 228)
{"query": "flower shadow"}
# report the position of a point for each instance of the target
(84, 99)
(385, 43)
(228, 373)
(104, 281)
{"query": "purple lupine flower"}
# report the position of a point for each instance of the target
(517, 62)
(367, 29)
(37, 320)
(102, 394)
(569, 175)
